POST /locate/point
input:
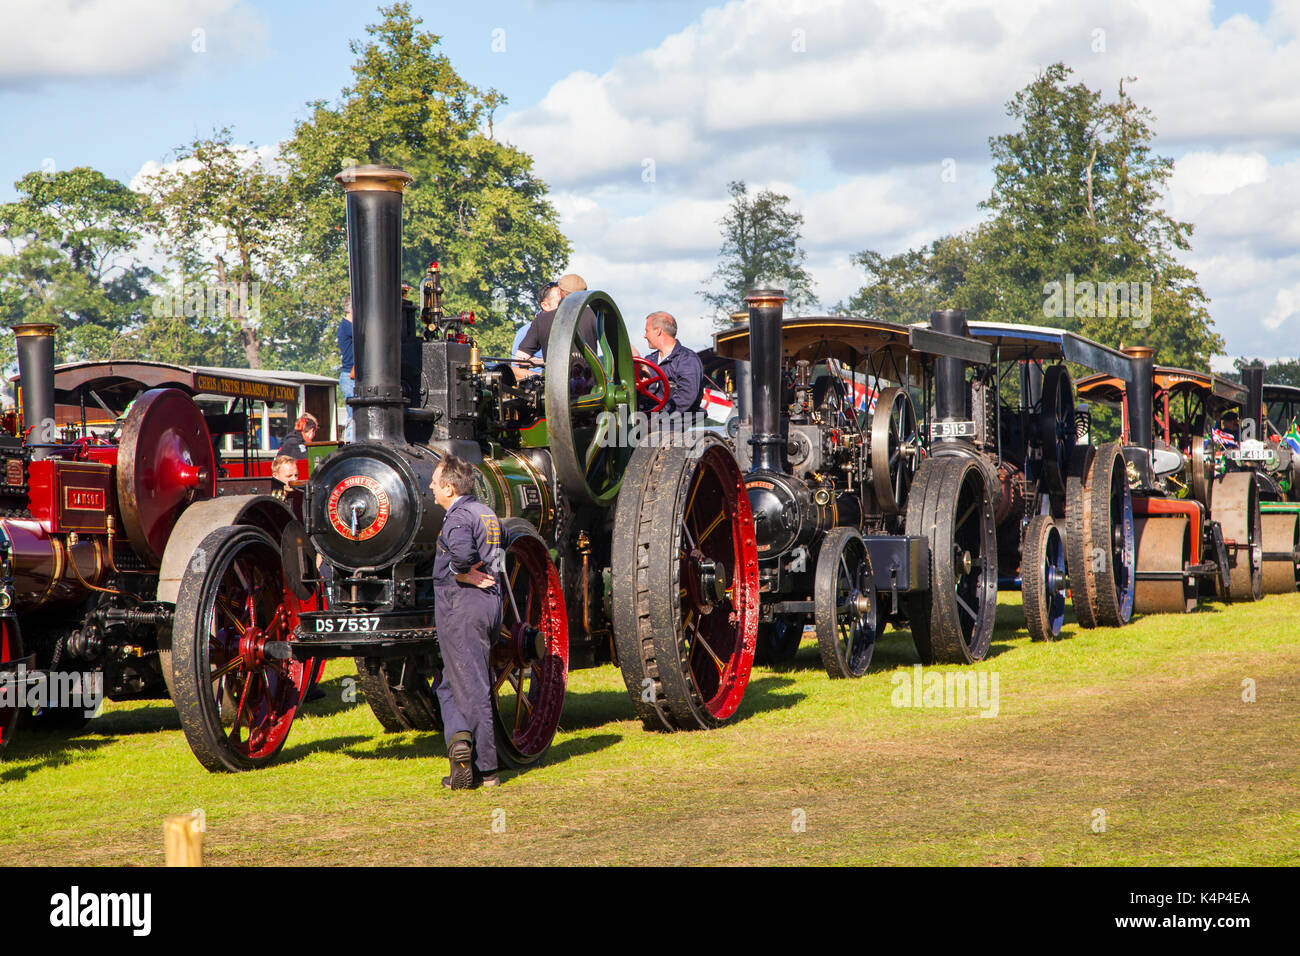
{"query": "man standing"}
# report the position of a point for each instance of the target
(683, 367)
(467, 613)
(348, 371)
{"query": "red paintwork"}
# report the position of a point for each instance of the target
(64, 495)
(258, 468)
(1144, 507)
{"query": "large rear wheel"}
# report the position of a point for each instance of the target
(950, 506)
(685, 585)
(530, 661)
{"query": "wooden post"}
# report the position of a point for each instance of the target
(183, 836)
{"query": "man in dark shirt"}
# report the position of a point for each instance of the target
(348, 370)
(467, 613)
(539, 332)
(294, 444)
(683, 367)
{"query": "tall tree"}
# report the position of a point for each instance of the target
(1076, 215)
(72, 259)
(907, 287)
(760, 246)
(230, 222)
(475, 205)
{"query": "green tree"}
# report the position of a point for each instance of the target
(1075, 202)
(907, 287)
(231, 225)
(1282, 372)
(475, 205)
(760, 247)
(72, 260)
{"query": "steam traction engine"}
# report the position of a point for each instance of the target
(1064, 504)
(643, 556)
(91, 533)
(855, 525)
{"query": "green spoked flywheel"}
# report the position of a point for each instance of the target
(590, 386)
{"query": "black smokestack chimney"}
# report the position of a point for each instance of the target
(1140, 395)
(1252, 376)
(374, 202)
(950, 373)
(765, 306)
(36, 375)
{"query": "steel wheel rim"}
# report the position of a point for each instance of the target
(971, 531)
(713, 627)
(1054, 577)
(251, 607)
(855, 608)
(528, 691)
(1123, 548)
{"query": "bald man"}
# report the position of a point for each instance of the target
(683, 367)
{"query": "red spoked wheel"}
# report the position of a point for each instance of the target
(530, 662)
(685, 585)
(648, 375)
(11, 653)
(236, 694)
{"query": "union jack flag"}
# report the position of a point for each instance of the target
(1223, 439)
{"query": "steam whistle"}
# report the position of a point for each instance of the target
(431, 302)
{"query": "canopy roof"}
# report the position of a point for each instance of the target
(852, 341)
(1017, 342)
(117, 383)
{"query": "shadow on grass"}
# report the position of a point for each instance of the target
(334, 701)
(28, 754)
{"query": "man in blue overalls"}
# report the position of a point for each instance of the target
(467, 613)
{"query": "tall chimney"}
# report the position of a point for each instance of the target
(374, 209)
(35, 343)
(1140, 395)
(1252, 376)
(950, 373)
(765, 307)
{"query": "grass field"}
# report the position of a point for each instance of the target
(1143, 729)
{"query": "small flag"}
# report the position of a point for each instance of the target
(1223, 439)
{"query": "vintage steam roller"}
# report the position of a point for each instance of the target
(855, 525)
(1065, 513)
(640, 555)
(1196, 533)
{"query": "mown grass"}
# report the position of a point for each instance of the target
(1147, 725)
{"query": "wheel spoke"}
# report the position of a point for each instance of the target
(966, 607)
(226, 668)
(961, 522)
(712, 526)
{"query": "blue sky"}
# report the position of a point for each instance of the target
(855, 129)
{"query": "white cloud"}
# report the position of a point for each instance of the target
(856, 126)
(77, 39)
